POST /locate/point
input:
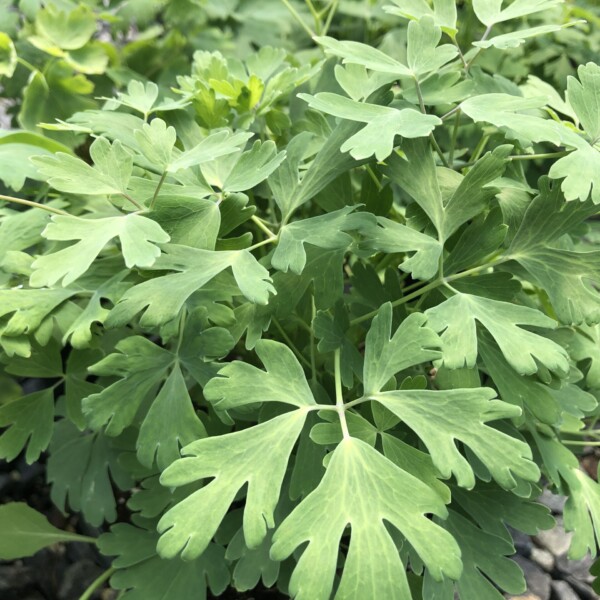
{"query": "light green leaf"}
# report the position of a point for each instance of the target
(490, 12)
(387, 493)
(384, 123)
(30, 421)
(253, 166)
(164, 296)
(140, 96)
(233, 460)
(362, 54)
(514, 39)
(582, 513)
(140, 366)
(25, 531)
(513, 112)
(142, 574)
(156, 142)
(171, 423)
(136, 234)
(457, 318)
(385, 355)
(16, 148)
(584, 97)
(211, 147)
(423, 54)
(581, 173)
(239, 383)
(66, 30)
(109, 175)
(29, 308)
(443, 12)
(327, 231)
(8, 56)
(441, 418)
(189, 221)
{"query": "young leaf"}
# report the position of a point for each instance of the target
(234, 460)
(25, 531)
(136, 234)
(388, 493)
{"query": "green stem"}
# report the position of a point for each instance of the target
(259, 223)
(539, 156)
(134, 202)
(97, 583)
(263, 243)
(298, 18)
(454, 138)
(339, 398)
(32, 204)
(313, 360)
(479, 149)
(373, 177)
(315, 15)
(579, 443)
(332, 11)
(431, 286)
(160, 183)
(291, 344)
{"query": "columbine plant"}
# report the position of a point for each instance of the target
(336, 339)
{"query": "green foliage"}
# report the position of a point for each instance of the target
(324, 307)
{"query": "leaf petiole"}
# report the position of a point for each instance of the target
(32, 204)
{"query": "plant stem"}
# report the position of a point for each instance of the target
(259, 223)
(339, 398)
(431, 286)
(31, 203)
(579, 443)
(298, 18)
(315, 15)
(291, 344)
(313, 360)
(97, 583)
(155, 196)
(454, 137)
(332, 11)
(540, 156)
(263, 243)
(431, 136)
(134, 202)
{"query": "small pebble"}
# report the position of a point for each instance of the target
(555, 502)
(538, 581)
(543, 558)
(563, 591)
(556, 540)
